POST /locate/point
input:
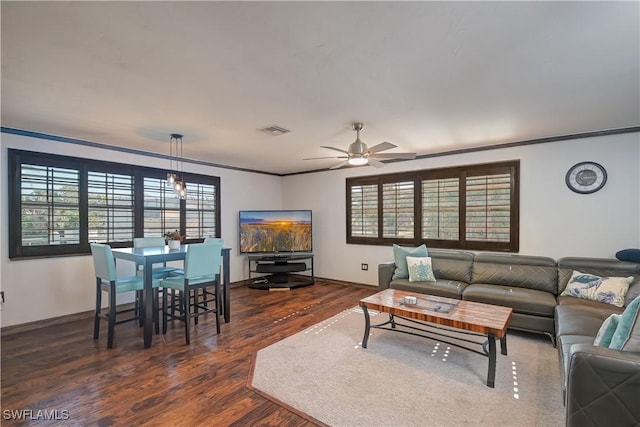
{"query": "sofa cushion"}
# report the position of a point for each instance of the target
(522, 300)
(452, 265)
(420, 269)
(627, 334)
(576, 319)
(400, 257)
(606, 331)
(610, 290)
(441, 287)
(604, 267)
(520, 271)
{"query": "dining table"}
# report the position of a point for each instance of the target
(147, 257)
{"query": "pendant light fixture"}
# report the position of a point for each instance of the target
(175, 176)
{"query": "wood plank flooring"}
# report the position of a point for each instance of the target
(61, 368)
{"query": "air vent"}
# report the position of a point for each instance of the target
(275, 130)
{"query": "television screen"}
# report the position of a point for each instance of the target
(275, 231)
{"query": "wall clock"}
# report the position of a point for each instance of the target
(586, 177)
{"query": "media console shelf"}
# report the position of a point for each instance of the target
(276, 271)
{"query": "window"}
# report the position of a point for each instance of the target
(110, 207)
(201, 211)
(50, 205)
(469, 207)
(59, 204)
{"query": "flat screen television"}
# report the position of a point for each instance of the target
(283, 231)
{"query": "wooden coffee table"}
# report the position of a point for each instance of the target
(437, 317)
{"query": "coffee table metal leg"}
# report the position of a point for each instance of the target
(367, 326)
(503, 345)
(491, 374)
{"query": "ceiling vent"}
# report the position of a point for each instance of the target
(275, 130)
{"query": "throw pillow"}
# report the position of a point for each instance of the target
(627, 335)
(420, 269)
(608, 328)
(610, 290)
(400, 255)
(631, 255)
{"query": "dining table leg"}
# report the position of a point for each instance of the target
(226, 284)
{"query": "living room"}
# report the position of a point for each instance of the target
(554, 221)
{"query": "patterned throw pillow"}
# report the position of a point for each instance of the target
(420, 269)
(608, 328)
(400, 255)
(610, 290)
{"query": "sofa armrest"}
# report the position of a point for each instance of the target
(385, 273)
(603, 386)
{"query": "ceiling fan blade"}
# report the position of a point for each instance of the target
(381, 147)
(375, 163)
(335, 149)
(339, 165)
(328, 157)
(408, 156)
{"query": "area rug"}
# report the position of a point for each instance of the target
(404, 380)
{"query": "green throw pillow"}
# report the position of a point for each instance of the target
(608, 328)
(400, 255)
(420, 269)
(627, 335)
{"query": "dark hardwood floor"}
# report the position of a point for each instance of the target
(62, 368)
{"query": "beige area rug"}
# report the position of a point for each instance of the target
(403, 380)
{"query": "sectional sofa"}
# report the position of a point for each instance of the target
(601, 386)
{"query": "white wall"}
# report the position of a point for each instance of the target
(51, 287)
(554, 221)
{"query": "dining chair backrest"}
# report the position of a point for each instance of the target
(148, 242)
(210, 240)
(203, 259)
(103, 261)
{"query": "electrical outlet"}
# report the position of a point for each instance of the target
(364, 266)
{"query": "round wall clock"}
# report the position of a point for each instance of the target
(586, 177)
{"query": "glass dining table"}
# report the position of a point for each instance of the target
(161, 254)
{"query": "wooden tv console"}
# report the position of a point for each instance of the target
(280, 270)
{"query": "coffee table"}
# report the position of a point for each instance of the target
(436, 317)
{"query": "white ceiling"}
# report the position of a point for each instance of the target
(429, 77)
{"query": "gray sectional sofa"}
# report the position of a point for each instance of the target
(602, 386)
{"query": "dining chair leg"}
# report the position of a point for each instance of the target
(112, 315)
(156, 318)
(216, 288)
(96, 321)
(187, 316)
(138, 305)
(165, 308)
(195, 306)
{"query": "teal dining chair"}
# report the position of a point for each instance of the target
(201, 270)
(107, 281)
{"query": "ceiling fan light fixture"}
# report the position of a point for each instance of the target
(358, 160)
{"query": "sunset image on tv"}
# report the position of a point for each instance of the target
(275, 231)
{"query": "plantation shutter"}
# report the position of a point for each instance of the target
(201, 210)
(440, 209)
(50, 205)
(488, 208)
(398, 210)
(161, 208)
(364, 210)
(110, 202)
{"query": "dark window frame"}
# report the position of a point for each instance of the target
(511, 167)
(18, 157)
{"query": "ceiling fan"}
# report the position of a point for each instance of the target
(359, 154)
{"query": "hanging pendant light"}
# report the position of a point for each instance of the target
(175, 176)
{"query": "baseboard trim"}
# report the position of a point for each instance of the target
(30, 326)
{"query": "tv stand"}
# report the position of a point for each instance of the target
(276, 270)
